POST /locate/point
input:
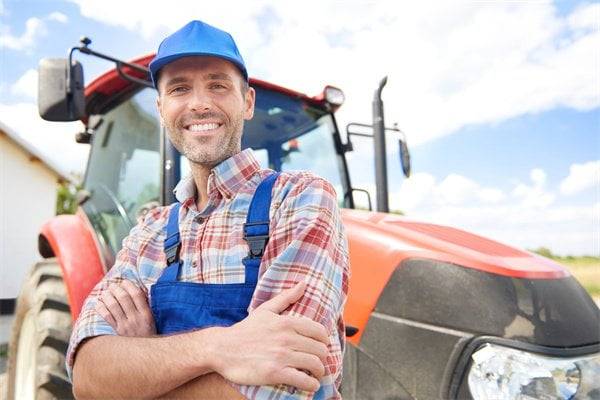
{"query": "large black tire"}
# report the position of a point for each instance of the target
(42, 327)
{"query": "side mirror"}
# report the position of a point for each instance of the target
(404, 158)
(60, 90)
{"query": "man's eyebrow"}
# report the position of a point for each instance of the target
(219, 76)
(176, 80)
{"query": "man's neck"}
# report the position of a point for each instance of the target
(200, 172)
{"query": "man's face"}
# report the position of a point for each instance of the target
(202, 106)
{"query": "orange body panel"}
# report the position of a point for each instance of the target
(72, 242)
(380, 242)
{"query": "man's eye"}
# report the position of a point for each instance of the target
(218, 86)
(178, 89)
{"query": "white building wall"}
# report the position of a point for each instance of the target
(27, 200)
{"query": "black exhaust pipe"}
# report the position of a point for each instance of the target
(380, 151)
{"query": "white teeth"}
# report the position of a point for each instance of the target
(202, 127)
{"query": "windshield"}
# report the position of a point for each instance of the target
(123, 173)
(288, 134)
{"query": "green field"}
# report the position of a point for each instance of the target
(586, 270)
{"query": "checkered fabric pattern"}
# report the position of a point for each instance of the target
(307, 243)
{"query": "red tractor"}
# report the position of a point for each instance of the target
(432, 312)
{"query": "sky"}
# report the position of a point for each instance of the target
(499, 100)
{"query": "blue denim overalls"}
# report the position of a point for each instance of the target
(180, 306)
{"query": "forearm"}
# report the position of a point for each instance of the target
(130, 367)
(209, 386)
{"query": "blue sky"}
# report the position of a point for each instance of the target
(500, 101)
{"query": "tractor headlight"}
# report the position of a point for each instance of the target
(499, 372)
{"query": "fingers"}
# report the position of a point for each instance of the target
(307, 362)
(138, 297)
(301, 380)
(123, 298)
(284, 299)
(310, 346)
(113, 306)
(309, 328)
(104, 313)
(125, 308)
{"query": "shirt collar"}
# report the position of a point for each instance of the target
(227, 177)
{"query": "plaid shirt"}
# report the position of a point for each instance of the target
(306, 243)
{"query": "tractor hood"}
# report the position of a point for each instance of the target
(405, 270)
(403, 237)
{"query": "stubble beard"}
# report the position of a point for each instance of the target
(208, 151)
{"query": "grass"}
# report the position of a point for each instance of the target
(586, 270)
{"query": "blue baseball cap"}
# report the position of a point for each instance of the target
(196, 39)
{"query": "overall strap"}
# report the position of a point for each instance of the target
(171, 246)
(256, 228)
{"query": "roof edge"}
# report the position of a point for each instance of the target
(12, 135)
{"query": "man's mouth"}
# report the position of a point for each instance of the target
(203, 128)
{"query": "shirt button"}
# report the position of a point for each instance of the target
(200, 219)
(194, 264)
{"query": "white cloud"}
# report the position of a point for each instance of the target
(456, 190)
(565, 230)
(418, 190)
(55, 140)
(529, 217)
(58, 17)
(538, 176)
(449, 63)
(585, 17)
(581, 177)
(26, 85)
(535, 195)
(34, 28)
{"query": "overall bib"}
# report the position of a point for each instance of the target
(181, 306)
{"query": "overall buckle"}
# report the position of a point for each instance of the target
(256, 244)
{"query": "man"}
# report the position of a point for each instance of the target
(199, 260)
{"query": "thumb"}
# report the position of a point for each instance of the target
(284, 299)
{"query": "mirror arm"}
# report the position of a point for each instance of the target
(350, 147)
(86, 50)
(68, 84)
(350, 192)
(142, 82)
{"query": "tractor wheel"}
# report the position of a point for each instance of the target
(40, 336)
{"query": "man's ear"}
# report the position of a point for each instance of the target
(249, 100)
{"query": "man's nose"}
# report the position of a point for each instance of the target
(199, 101)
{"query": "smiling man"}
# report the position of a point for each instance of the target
(237, 290)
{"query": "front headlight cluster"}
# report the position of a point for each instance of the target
(499, 372)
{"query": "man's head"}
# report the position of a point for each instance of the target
(203, 93)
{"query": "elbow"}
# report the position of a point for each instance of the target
(85, 384)
(81, 391)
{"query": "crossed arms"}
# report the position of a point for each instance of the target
(183, 365)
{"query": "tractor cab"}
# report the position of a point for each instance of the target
(133, 166)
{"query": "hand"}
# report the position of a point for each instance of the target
(269, 349)
(125, 307)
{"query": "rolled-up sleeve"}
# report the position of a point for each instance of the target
(307, 243)
(90, 323)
